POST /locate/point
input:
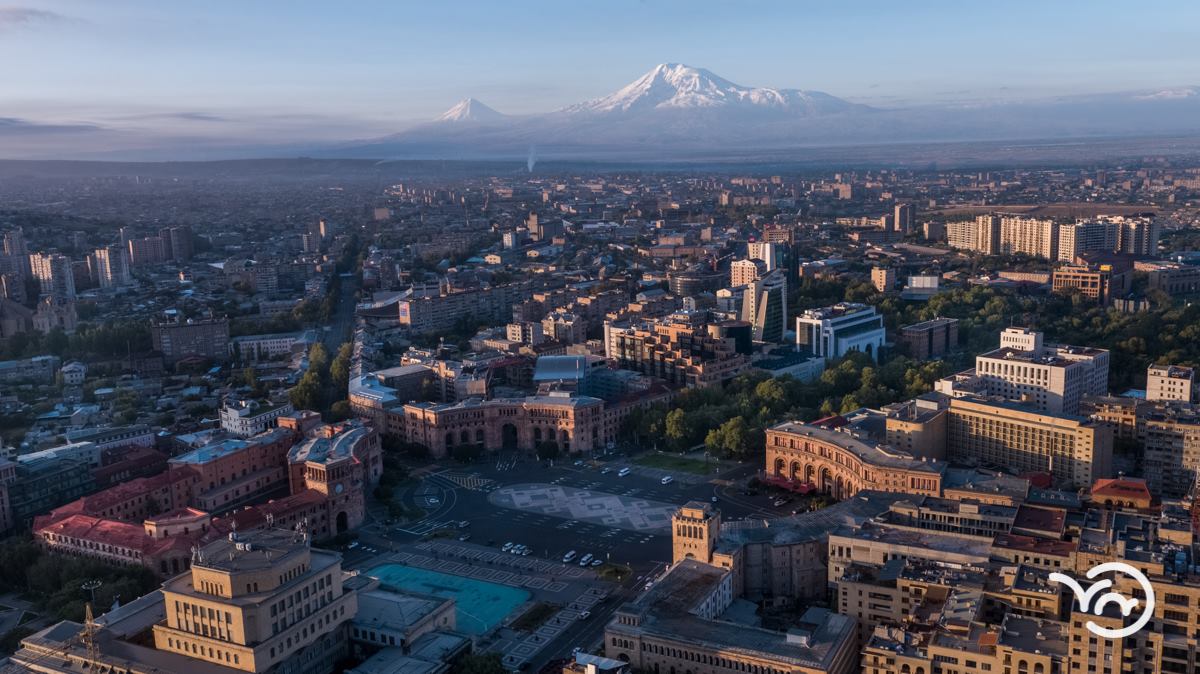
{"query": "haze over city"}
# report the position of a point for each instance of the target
(599, 338)
(137, 80)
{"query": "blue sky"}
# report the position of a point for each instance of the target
(360, 68)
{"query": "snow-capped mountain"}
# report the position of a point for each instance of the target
(677, 86)
(677, 111)
(470, 110)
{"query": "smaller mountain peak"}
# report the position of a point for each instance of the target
(469, 110)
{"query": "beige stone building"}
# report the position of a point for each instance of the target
(680, 626)
(840, 463)
(254, 604)
(1074, 450)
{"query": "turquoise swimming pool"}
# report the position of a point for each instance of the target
(480, 605)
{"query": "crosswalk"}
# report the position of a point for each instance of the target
(472, 482)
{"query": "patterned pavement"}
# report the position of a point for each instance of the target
(623, 512)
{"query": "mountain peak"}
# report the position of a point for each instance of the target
(469, 110)
(680, 86)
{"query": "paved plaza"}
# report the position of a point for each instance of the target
(622, 512)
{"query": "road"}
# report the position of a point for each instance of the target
(341, 324)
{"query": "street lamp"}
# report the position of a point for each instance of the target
(91, 586)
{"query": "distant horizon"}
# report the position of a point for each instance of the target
(134, 75)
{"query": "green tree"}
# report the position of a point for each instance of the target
(676, 428)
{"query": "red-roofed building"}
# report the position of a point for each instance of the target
(162, 544)
(1122, 492)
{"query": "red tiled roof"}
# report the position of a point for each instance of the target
(1121, 486)
(115, 532)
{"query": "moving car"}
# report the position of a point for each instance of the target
(667, 480)
(623, 472)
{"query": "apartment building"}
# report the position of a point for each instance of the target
(1035, 237)
(681, 352)
(442, 312)
(1170, 382)
(178, 338)
(883, 278)
(54, 274)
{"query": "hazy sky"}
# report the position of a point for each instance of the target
(359, 68)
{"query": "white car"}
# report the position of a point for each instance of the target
(587, 559)
(507, 547)
(585, 615)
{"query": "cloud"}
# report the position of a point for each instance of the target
(180, 115)
(14, 126)
(18, 17)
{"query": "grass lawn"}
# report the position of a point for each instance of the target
(614, 572)
(674, 462)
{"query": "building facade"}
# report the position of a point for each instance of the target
(834, 331)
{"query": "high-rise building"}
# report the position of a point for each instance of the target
(148, 250)
(764, 306)
(1036, 237)
(53, 271)
(981, 235)
(883, 278)
(180, 242)
(14, 243)
(902, 218)
(834, 331)
(770, 254)
(176, 338)
(1085, 237)
(742, 272)
(111, 267)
